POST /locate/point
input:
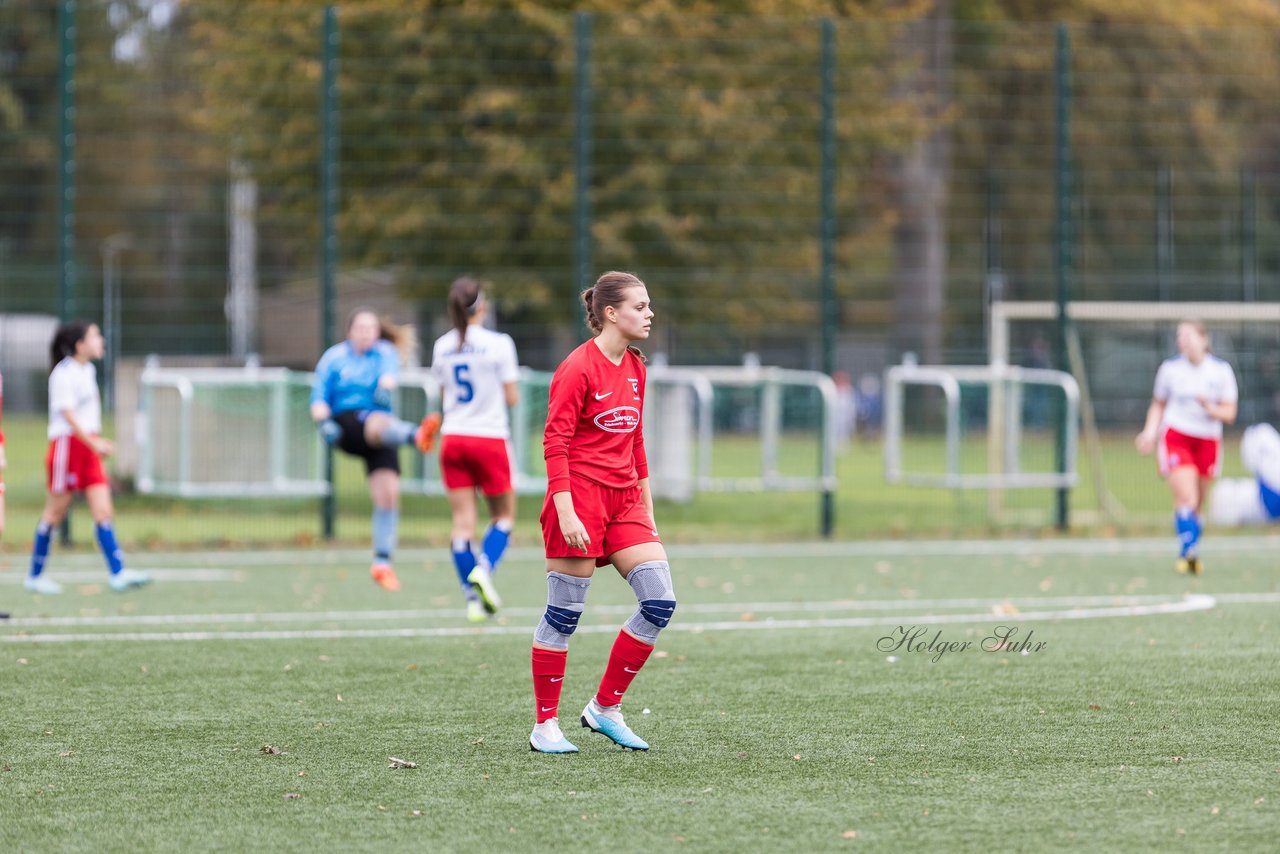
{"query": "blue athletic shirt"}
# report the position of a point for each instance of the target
(346, 381)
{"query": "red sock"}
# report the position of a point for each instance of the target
(548, 678)
(625, 660)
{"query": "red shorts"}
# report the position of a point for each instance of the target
(72, 466)
(615, 519)
(1178, 449)
(475, 461)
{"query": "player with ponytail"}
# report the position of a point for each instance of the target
(478, 374)
(598, 511)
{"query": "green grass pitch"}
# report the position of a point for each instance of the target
(1147, 718)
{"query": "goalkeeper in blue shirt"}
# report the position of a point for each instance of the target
(351, 405)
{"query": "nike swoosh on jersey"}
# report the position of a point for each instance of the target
(557, 678)
(548, 708)
(600, 396)
(629, 670)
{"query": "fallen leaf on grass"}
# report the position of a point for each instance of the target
(479, 742)
(1175, 758)
(292, 796)
(849, 834)
(1094, 706)
(401, 763)
(1216, 809)
(271, 750)
(64, 754)
(415, 813)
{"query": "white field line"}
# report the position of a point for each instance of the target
(82, 576)
(860, 548)
(753, 608)
(1194, 602)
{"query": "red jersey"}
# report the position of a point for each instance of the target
(593, 421)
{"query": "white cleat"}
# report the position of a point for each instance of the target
(127, 579)
(481, 581)
(547, 738)
(42, 584)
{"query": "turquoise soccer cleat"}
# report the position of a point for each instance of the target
(608, 722)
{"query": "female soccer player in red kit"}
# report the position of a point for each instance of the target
(599, 510)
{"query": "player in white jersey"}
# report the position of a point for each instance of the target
(478, 373)
(76, 451)
(1195, 394)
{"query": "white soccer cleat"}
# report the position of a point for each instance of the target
(481, 582)
(547, 738)
(607, 720)
(127, 579)
(42, 584)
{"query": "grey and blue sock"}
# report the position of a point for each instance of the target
(398, 432)
(386, 521)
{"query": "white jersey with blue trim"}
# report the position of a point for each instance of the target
(471, 381)
(1181, 385)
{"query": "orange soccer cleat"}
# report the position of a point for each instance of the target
(385, 576)
(425, 438)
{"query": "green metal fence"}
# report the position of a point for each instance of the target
(824, 193)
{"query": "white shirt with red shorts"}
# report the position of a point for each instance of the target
(594, 448)
(71, 464)
(474, 446)
(1190, 437)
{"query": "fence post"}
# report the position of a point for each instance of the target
(328, 205)
(66, 157)
(582, 161)
(1063, 241)
(827, 237)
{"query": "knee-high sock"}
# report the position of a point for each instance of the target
(40, 547)
(548, 679)
(464, 560)
(110, 548)
(495, 542)
(1187, 524)
(625, 660)
(398, 432)
(386, 523)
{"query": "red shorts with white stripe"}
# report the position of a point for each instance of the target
(475, 461)
(72, 466)
(615, 519)
(1178, 449)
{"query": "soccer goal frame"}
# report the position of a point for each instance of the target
(1005, 313)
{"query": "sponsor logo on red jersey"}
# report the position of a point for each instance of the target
(620, 419)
